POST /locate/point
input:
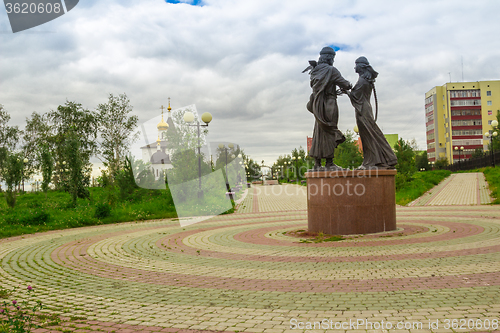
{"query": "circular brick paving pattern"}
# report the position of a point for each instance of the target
(245, 272)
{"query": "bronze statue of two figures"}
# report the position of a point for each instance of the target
(325, 79)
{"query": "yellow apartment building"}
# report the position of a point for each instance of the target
(457, 114)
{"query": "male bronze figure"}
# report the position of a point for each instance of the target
(323, 105)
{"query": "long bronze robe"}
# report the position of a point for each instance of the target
(376, 149)
(323, 104)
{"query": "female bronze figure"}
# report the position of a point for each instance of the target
(377, 152)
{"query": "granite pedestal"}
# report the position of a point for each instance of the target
(351, 201)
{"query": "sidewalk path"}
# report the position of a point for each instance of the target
(244, 273)
(457, 189)
(272, 198)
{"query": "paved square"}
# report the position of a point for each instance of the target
(243, 273)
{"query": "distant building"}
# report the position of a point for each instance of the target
(309, 143)
(457, 115)
(392, 139)
(157, 152)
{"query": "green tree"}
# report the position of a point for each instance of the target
(11, 172)
(185, 136)
(441, 163)
(82, 124)
(8, 137)
(406, 162)
(299, 163)
(227, 158)
(125, 180)
(347, 154)
(117, 130)
(8, 134)
(477, 153)
(36, 134)
(422, 161)
(252, 169)
(75, 166)
(46, 166)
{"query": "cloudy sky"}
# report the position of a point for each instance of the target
(242, 60)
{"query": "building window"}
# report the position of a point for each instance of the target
(465, 93)
(489, 102)
(466, 122)
(466, 112)
(467, 142)
(467, 132)
(488, 93)
(466, 102)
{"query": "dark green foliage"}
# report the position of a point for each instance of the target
(422, 162)
(74, 158)
(71, 125)
(10, 197)
(406, 162)
(47, 166)
(125, 180)
(33, 213)
(9, 135)
(478, 152)
(347, 154)
(102, 210)
(185, 164)
(492, 176)
(11, 172)
(441, 163)
(29, 217)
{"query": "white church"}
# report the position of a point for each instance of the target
(157, 152)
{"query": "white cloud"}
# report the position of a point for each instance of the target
(242, 60)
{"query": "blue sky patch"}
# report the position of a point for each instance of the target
(355, 17)
(188, 2)
(340, 47)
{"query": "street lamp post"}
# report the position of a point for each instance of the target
(460, 150)
(296, 159)
(206, 118)
(490, 136)
(288, 169)
(230, 146)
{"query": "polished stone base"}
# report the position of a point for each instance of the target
(351, 202)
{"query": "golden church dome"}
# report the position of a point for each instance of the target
(162, 125)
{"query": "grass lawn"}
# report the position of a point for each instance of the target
(34, 213)
(420, 183)
(492, 176)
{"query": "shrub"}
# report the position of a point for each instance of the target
(102, 210)
(10, 197)
(29, 218)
